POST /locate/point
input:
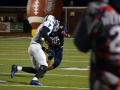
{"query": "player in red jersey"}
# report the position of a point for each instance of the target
(99, 30)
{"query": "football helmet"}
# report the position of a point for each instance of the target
(52, 20)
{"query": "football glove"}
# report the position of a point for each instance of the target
(49, 52)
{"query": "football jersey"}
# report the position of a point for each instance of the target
(58, 35)
(99, 31)
(37, 38)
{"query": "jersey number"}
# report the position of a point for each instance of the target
(115, 43)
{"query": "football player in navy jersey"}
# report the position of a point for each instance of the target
(58, 35)
(99, 30)
(37, 55)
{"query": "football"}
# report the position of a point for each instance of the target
(38, 9)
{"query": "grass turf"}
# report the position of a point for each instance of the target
(72, 74)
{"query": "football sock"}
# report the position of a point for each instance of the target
(29, 70)
(19, 68)
(35, 78)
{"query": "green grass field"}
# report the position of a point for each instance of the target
(72, 74)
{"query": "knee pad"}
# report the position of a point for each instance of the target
(41, 71)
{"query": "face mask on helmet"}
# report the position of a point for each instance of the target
(56, 27)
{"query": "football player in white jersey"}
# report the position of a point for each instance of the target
(35, 51)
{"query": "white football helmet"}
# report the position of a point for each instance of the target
(51, 19)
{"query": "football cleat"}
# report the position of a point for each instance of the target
(34, 82)
(13, 70)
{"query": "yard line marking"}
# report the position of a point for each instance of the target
(10, 37)
(21, 51)
(21, 45)
(47, 74)
(58, 67)
(13, 51)
(75, 68)
(13, 59)
(29, 59)
(77, 88)
(75, 61)
(2, 81)
(63, 56)
(66, 75)
(13, 54)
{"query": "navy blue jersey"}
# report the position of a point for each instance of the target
(58, 34)
(99, 31)
(57, 49)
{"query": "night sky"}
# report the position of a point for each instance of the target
(24, 2)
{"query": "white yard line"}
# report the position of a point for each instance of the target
(47, 74)
(25, 55)
(29, 60)
(74, 88)
(75, 68)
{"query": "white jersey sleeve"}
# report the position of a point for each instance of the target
(49, 25)
(37, 38)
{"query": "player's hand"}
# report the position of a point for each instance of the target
(68, 35)
(63, 32)
(49, 52)
(54, 42)
(61, 47)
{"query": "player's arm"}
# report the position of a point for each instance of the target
(65, 33)
(81, 37)
(44, 49)
(45, 35)
(48, 51)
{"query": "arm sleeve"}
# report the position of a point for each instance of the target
(45, 34)
(66, 30)
(81, 37)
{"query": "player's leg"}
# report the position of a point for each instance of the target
(40, 65)
(50, 57)
(16, 68)
(57, 59)
(49, 62)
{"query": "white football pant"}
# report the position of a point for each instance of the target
(37, 55)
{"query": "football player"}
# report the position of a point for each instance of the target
(35, 51)
(57, 35)
(99, 30)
